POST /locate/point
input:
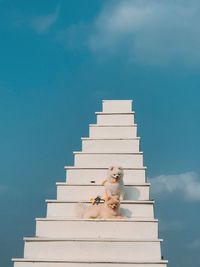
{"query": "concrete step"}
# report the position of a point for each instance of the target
(105, 160)
(77, 175)
(117, 131)
(118, 229)
(110, 250)
(59, 263)
(104, 118)
(111, 145)
(131, 209)
(117, 106)
(85, 192)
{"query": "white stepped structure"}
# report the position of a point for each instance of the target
(62, 240)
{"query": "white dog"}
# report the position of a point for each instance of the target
(114, 185)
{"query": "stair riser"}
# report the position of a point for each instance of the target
(93, 251)
(115, 119)
(75, 264)
(81, 176)
(117, 106)
(111, 146)
(112, 132)
(97, 229)
(107, 160)
(80, 193)
(59, 209)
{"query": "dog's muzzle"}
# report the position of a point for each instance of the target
(117, 177)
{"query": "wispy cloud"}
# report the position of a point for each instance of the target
(165, 226)
(40, 24)
(150, 32)
(43, 23)
(75, 36)
(6, 190)
(186, 184)
(3, 189)
(195, 244)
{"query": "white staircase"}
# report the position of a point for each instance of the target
(62, 240)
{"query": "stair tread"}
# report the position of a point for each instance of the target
(114, 138)
(96, 184)
(108, 153)
(90, 239)
(122, 202)
(97, 220)
(82, 261)
(117, 125)
(114, 113)
(101, 168)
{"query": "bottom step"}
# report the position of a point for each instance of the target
(43, 263)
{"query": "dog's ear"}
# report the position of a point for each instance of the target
(120, 168)
(111, 168)
(116, 197)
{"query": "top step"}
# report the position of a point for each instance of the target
(117, 106)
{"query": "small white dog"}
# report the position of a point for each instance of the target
(108, 210)
(114, 185)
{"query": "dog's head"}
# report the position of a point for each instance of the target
(113, 203)
(115, 174)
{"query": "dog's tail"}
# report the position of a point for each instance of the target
(79, 210)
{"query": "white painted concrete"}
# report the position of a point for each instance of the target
(115, 119)
(97, 229)
(105, 160)
(131, 209)
(111, 146)
(85, 192)
(122, 106)
(75, 175)
(93, 250)
(96, 131)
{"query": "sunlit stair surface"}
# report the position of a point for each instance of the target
(63, 240)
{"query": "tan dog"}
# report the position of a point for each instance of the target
(114, 183)
(108, 210)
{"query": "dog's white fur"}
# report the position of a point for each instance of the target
(114, 185)
(108, 210)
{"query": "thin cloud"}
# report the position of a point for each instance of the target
(195, 244)
(3, 189)
(75, 36)
(171, 226)
(148, 32)
(186, 184)
(40, 24)
(43, 23)
(6, 190)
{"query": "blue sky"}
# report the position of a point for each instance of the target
(58, 60)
